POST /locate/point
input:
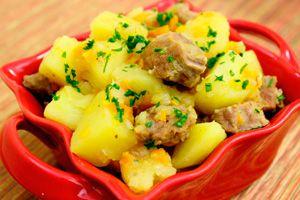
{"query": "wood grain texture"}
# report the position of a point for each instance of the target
(31, 25)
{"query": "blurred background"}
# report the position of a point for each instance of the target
(30, 26)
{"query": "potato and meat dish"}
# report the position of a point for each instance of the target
(151, 93)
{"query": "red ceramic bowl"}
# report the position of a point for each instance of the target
(233, 166)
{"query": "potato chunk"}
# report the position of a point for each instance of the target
(203, 139)
(210, 31)
(231, 80)
(100, 135)
(67, 107)
(143, 168)
(105, 24)
(64, 51)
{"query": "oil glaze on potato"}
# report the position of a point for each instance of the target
(68, 108)
(203, 139)
(99, 136)
(241, 79)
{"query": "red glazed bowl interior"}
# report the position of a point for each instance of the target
(233, 165)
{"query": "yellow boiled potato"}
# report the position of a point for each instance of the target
(100, 137)
(143, 168)
(64, 51)
(238, 47)
(101, 61)
(239, 81)
(137, 79)
(210, 31)
(67, 107)
(203, 139)
(104, 25)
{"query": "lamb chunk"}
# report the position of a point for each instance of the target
(269, 93)
(173, 57)
(39, 84)
(183, 12)
(164, 125)
(240, 117)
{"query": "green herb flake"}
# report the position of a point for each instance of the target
(120, 15)
(74, 83)
(245, 84)
(64, 54)
(182, 118)
(89, 45)
(108, 88)
(208, 45)
(157, 104)
(170, 59)
(178, 24)
(219, 78)
(100, 54)
(270, 83)
(231, 73)
(212, 61)
(232, 55)
(163, 18)
(281, 97)
(118, 49)
(211, 32)
(176, 98)
(125, 25)
(208, 87)
(55, 97)
(160, 50)
(120, 111)
(136, 96)
(243, 67)
(106, 61)
(132, 42)
(66, 68)
(149, 124)
(237, 80)
(115, 37)
(150, 144)
(256, 110)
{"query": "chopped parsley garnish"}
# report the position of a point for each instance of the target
(219, 78)
(245, 84)
(132, 42)
(89, 45)
(243, 67)
(176, 98)
(170, 59)
(157, 104)
(118, 49)
(160, 50)
(270, 83)
(125, 25)
(178, 24)
(211, 32)
(120, 15)
(120, 111)
(281, 97)
(256, 110)
(136, 96)
(208, 45)
(70, 78)
(115, 37)
(232, 55)
(55, 97)
(150, 144)
(222, 62)
(163, 18)
(237, 80)
(149, 124)
(241, 54)
(212, 61)
(128, 66)
(231, 73)
(100, 54)
(182, 118)
(108, 88)
(208, 87)
(106, 61)
(64, 54)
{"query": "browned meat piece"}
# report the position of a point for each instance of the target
(173, 57)
(165, 125)
(240, 117)
(39, 84)
(183, 12)
(269, 93)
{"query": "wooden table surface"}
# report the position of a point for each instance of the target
(31, 25)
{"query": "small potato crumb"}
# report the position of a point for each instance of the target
(142, 168)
